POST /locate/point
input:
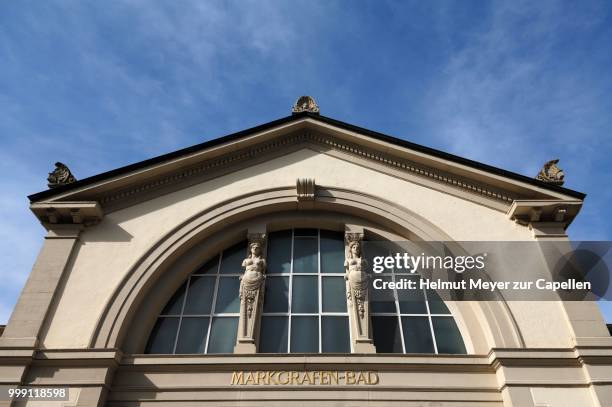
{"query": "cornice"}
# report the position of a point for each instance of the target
(412, 167)
(54, 213)
(216, 166)
(421, 154)
(207, 167)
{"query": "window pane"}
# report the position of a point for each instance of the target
(199, 296)
(174, 306)
(209, 267)
(305, 295)
(411, 301)
(228, 299)
(276, 297)
(447, 334)
(304, 334)
(162, 337)
(273, 338)
(382, 300)
(436, 304)
(305, 232)
(279, 252)
(417, 335)
(335, 335)
(334, 294)
(231, 259)
(223, 335)
(332, 252)
(305, 255)
(386, 332)
(192, 336)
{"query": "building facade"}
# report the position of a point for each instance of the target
(230, 274)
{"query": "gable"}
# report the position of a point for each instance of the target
(467, 179)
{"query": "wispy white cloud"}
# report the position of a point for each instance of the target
(517, 94)
(100, 85)
(104, 85)
(503, 94)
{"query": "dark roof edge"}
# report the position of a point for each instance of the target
(454, 158)
(160, 158)
(231, 137)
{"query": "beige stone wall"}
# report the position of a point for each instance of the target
(108, 250)
(554, 370)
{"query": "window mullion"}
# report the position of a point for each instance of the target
(399, 317)
(319, 288)
(214, 301)
(290, 293)
(178, 329)
(433, 335)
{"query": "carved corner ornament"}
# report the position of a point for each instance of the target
(61, 175)
(305, 189)
(551, 174)
(305, 104)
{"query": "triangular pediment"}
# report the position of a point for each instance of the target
(471, 180)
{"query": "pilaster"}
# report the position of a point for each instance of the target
(357, 289)
(252, 292)
(25, 323)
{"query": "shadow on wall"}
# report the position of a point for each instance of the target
(108, 231)
(144, 388)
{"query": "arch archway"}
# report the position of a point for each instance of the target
(149, 283)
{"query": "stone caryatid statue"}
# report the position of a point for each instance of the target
(61, 175)
(357, 292)
(251, 292)
(551, 174)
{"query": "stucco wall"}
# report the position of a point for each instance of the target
(108, 250)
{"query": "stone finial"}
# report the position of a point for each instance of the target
(61, 175)
(305, 104)
(551, 174)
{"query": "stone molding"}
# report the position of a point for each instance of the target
(209, 167)
(494, 372)
(525, 211)
(545, 218)
(86, 213)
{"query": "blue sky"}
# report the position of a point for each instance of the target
(98, 85)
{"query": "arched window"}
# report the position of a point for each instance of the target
(304, 308)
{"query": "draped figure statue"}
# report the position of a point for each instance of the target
(357, 292)
(251, 293)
